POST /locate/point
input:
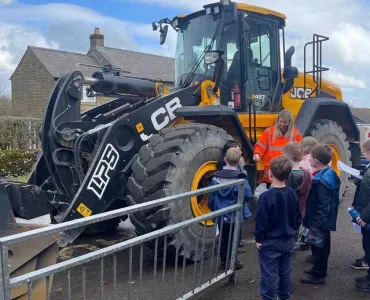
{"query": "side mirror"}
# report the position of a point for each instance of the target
(163, 35)
(290, 73)
(212, 57)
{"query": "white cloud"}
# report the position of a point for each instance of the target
(6, 2)
(344, 81)
(352, 42)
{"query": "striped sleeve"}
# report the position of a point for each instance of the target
(261, 146)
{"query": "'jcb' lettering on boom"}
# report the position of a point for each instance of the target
(163, 116)
(100, 178)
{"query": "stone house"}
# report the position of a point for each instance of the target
(38, 70)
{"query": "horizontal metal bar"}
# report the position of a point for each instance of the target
(25, 236)
(206, 285)
(83, 259)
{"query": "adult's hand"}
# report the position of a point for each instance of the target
(256, 157)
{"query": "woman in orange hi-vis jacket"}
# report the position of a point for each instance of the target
(274, 139)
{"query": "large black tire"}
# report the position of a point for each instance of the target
(166, 166)
(329, 132)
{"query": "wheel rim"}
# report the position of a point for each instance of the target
(199, 205)
(336, 157)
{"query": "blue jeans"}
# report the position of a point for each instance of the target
(275, 258)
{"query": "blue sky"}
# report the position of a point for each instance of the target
(126, 24)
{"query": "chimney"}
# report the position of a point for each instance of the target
(96, 39)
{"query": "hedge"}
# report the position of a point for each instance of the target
(15, 163)
(19, 145)
(20, 133)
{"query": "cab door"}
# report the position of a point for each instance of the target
(262, 62)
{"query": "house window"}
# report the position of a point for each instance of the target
(86, 99)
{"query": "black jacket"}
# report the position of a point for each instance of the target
(361, 201)
(323, 201)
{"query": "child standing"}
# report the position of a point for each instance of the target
(321, 210)
(361, 203)
(277, 221)
(226, 197)
(299, 179)
(307, 144)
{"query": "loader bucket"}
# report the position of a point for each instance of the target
(27, 256)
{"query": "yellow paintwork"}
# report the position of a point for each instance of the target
(201, 208)
(260, 10)
(206, 100)
(156, 88)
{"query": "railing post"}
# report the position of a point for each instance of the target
(234, 248)
(4, 272)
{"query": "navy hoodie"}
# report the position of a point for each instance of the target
(278, 214)
(228, 196)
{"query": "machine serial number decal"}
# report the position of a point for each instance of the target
(100, 178)
(84, 210)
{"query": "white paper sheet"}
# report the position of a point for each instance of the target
(347, 169)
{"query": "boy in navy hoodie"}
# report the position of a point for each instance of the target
(226, 197)
(277, 221)
(321, 211)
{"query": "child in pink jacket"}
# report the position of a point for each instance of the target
(307, 144)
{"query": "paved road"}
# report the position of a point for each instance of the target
(346, 246)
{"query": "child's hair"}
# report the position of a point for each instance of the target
(232, 156)
(293, 151)
(281, 167)
(366, 145)
(231, 143)
(308, 142)
(322, 153)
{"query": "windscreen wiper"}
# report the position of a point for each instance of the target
(190, 76)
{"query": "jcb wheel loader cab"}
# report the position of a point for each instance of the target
(177, 160)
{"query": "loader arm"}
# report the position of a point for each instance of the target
(88, 156)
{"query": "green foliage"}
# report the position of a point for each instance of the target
(19, 133)
(16, 163)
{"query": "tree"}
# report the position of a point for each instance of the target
(5, 103)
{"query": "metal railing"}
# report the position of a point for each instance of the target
(115, 290)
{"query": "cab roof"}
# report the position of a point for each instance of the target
(255, 9)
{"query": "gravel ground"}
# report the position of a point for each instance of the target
(346, 246)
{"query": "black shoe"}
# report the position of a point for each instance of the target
(304, 247)
(309, 259)
(313, 280)
(360, 264)
(242, 244)
(363, 286)
(238, 265)
(363, 278)
(308, 271)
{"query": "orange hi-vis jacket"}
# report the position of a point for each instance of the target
(267, 148)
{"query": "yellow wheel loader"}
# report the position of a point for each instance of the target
(233, 75)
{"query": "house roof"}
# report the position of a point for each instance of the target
(362, 114)
(59, 62)
(140, 65)
(133, 64)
